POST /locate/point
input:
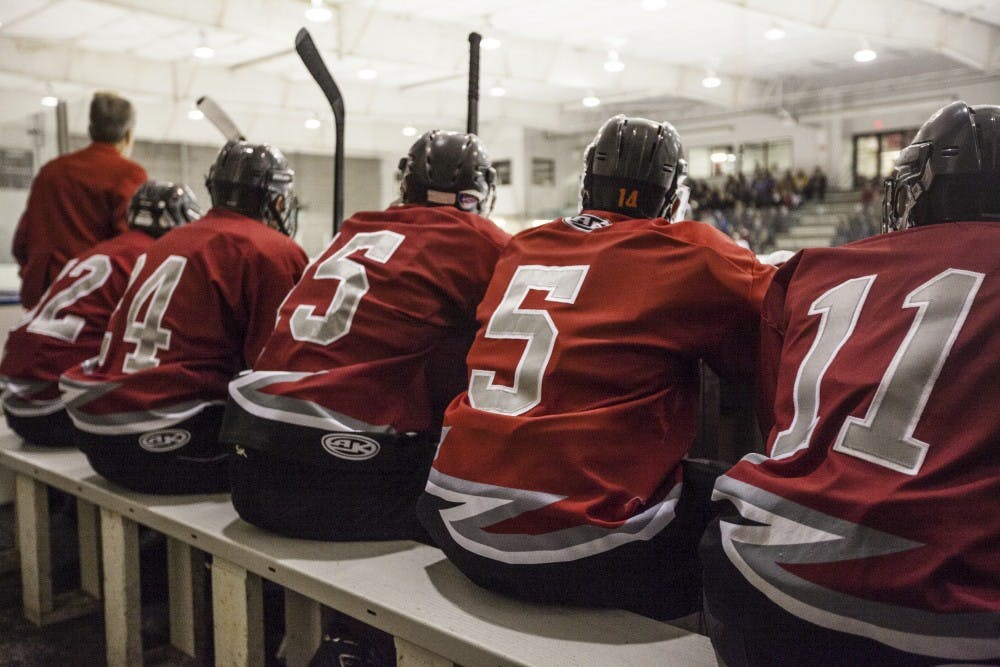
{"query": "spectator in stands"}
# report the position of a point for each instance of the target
(800, 181)
(67, 326)
(816, 187)
(559, 476)
(870, 534)
(762, 187)
(78, 199)
(197, 311)
(335, 428)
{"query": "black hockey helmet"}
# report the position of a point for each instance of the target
(159, 206)
(949, 172)
(255, 180)
(633, 166)
(449, 168)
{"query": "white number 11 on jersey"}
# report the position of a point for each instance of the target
(885, 435)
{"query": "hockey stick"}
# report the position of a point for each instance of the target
(472, 117)
(219, 118)
(311, 58)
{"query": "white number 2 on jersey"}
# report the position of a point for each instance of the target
(885, 435)
(92, 272)
(336, 321)
(148, 334)
(536, 326)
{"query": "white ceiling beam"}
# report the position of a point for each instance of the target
(258, 100)
(909, 24)
(379, 37)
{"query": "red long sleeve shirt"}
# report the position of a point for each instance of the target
(77, 200)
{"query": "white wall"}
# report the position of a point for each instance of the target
(822, 139)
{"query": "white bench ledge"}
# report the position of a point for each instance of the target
(404, 588)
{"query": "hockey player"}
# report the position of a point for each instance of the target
(335, 428)
(79, 199)
(198, 309)
(870, 535)
(559, 475)
(65, 328)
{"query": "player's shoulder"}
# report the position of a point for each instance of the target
(454, 225)
(131, 240)
(693, 232)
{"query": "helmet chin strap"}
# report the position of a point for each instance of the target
(678, 207)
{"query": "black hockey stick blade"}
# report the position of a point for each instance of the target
(219, 118)
(472, 117)
(313, 61)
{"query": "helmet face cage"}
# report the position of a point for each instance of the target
(159, 206)
(910, 180)
(950, 171)
(634, 166)
(449, 168)
(286, 219)
(255, 180)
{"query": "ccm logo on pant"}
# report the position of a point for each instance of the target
(350, 446)
(164, 441)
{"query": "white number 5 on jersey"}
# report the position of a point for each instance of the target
(336, 322)
(536, 326)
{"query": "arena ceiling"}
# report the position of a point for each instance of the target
(551, 54)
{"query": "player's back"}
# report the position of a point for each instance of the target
(67, 325)
(587, 357)
(193, 314)
(422, 268)
(884, 359)
(386, 311)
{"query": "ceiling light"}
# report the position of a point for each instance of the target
(50, 101)
(203, 51)
(313, 123)
(318, 12)
(711, 81)
(496, 90)
(590, 101)
(367, 73)
(490, 43)
(718, 158)
(865, 55)
(195, 114)
(774, 33)
(409, 131)
(653, 5)
(613, 63)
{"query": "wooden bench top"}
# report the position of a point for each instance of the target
(407, 589)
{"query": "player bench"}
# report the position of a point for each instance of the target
(436, 616)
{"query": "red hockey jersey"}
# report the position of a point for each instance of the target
(67, 325)
(374, 336)
(878, 513)
(583, 395)
(76, 201)
(201, 303)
